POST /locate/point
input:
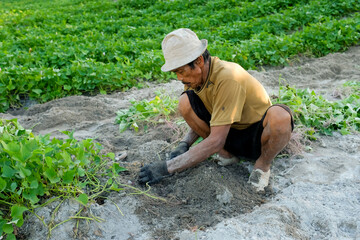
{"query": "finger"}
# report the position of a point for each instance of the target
(156, 180)
(144, 168)
(144, 180)
(143, 173)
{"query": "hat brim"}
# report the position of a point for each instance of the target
(183, 60)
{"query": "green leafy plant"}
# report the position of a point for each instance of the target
(35, 169)
(146, 112)
(321, 115)
(353, 86)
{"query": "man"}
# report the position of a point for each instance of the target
(224, 105)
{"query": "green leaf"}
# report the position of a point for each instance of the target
(109, 181)
(83, 199)
(8, 228)
(2, 224)
(11, 148)
(67, 87)
(49, 162)
(67, 158)
(84, 160)
(135, 126)
(11, 236)
(2, 184)
(20, 151)
(8, 172)
(52, 175)
(27, 149)
(115, 187)
(37, 91)
(19, 191)
(117, 168)
(13, 186)
(123, 126)
(344, 131)
(34, 184)
(69, 176)
(83, 184)
(81, 172)
(20, 132)
(31, 195)
(111, 155)
(24, 172)
(17, 214)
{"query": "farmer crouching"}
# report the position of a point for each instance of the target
(226, 106)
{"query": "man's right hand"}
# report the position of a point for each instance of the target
(180, 149)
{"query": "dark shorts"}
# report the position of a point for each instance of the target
(244, 143)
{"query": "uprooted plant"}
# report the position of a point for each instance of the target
(144, 112)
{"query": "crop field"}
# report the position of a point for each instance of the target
(53, 49)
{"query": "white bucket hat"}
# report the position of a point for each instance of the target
(181, 47)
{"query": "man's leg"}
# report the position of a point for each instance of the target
(275, 136)
(199, 126)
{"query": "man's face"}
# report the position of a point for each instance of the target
(191, 77)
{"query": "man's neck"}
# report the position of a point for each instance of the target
(205, 73)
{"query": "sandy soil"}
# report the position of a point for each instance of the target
(313, 195)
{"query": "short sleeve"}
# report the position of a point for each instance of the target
(229, 100)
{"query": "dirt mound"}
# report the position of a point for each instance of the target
(199, 198)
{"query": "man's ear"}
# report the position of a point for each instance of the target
(200, 61)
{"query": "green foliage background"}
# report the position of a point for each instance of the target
(51, 49)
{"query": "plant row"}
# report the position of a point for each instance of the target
(87, 47)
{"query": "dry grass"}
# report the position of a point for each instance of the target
(297, 143)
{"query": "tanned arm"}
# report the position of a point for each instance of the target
(210, 145)
(190, 137)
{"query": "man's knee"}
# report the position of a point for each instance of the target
(184, 105)
(279, 120)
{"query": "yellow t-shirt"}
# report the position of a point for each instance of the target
(232, 95)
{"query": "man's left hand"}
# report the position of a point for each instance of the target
(153, 173)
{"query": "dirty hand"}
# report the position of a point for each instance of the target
(153, 173)
(180, 149)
